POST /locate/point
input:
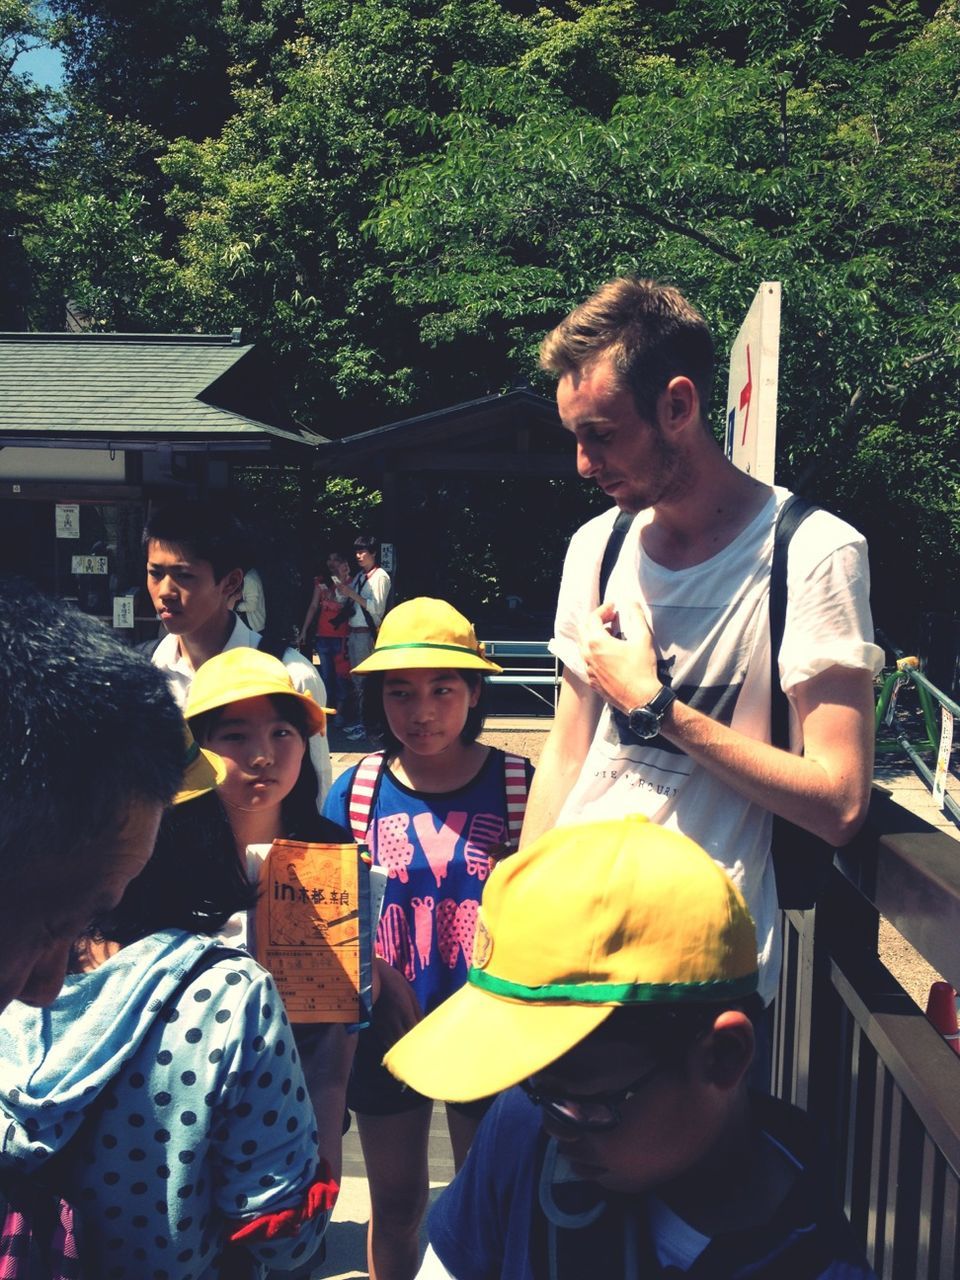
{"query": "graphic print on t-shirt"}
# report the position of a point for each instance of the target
(707, 648)
(716, 701)
(435, 849)
(436, 863)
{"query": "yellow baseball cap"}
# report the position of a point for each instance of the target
(242, 673)
(202, 770)
(425, 633)
(583, 921)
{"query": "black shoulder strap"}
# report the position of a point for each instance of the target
(789, 518)
(612, 550)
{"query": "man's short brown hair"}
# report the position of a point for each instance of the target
(650, 331)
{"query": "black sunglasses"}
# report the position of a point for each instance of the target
(592, 1112)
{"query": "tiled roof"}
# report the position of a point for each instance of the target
(133, 386)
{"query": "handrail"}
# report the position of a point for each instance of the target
(910, 872)
(907, 671)
(850, 1045)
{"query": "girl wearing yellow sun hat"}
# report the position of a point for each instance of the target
(431, 806)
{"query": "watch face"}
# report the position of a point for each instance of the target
(645, 724)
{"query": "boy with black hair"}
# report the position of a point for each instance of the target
(370, 593)
(613, 981)
(196, 557)
(92, 749)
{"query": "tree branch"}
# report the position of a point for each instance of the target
(691, 233)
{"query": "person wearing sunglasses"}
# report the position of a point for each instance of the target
(611, 997)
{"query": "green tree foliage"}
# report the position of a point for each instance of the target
(398, 197)
(791, 161)
(24, 135)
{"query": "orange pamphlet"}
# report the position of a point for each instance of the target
(313, 930)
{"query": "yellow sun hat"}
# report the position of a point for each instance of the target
(203, 770)
(583, 921)
(242, 673)
(425, 633)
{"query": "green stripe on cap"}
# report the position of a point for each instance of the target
(419, 644)
(191, 754)
(615, 992)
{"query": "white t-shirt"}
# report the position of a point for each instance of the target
(375, 589)
(306, 679)
(711, 623)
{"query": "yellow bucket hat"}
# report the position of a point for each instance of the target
(583, 921)
(202, 770)
(425, 633)
(242, 673)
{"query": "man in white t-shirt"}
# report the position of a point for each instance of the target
(196, 554)
(665, 703)
(369, 591)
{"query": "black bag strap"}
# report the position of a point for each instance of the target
(611, 551)
(789, 518)
(359, 583)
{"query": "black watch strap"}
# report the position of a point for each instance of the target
(645, 721)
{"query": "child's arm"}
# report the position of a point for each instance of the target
(311, 610)
(326, 1056)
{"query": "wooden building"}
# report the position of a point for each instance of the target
(94, 427)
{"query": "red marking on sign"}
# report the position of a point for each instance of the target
(745, 395)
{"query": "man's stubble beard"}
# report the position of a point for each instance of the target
(671, 479)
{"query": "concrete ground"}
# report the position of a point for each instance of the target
(346, 1235)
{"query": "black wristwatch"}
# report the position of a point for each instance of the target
(645, 721)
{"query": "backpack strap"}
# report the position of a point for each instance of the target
(801, 861)
(611, 551)
(791, 515)
(362, 793)
(515, 789)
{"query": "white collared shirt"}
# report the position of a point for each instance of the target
(179, 671)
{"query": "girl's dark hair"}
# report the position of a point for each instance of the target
(324, 573)
(375, 720)
(194, 881)
(299, 809)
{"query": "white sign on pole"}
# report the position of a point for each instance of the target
(88, 564)
(751, 438)
(67, 519)
(943, 758)
(388, 557)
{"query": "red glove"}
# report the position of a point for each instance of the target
(320, 1198)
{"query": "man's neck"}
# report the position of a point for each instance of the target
(714, 507)
(209, 640)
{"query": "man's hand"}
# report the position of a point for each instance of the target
(622, 668)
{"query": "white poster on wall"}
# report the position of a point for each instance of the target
(123, 611)
(88, 564)
(67, 519)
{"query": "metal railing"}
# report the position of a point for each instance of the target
(920, 740)
(853, 1049)
(528, 664)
